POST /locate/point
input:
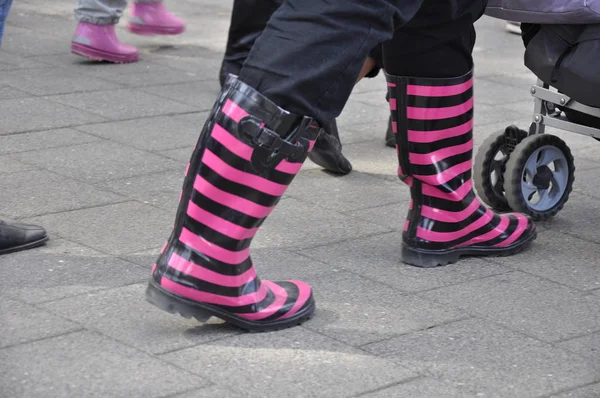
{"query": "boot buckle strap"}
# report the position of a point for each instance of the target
(268, 140)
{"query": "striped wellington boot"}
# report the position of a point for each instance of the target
(433, 123)
(247, 154)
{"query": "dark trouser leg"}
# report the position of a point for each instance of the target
(311, 52)
(248, 20)
(431, 99)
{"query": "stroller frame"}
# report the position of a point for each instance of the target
(546, 112)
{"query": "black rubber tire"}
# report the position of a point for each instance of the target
(484, 166)
(515, 167)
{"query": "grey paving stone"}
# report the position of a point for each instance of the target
(26, 114)
(373, 158)
(124, 315)
(371, 84)
(210, 392)
(526, 303)
(182, 155)
(361, 132)
(561, 258)
(32, 193)
(42, 140)
(422, 387)
(288, 362)
(358, 311)
(7, 92)
(391, 216)
(588, 346)
(580, 218)
(98, 161)
(8, 165)
(491, 62)
(138, 74)
(489, 360)
(587, 180)
(32, 44)
(359, 112)
(352, 192)
(591, 391)
(86, 364)
(378, 258)
(520, 81)
(152, 134)
(11, 61)
(489, 92)
(115, 229)
(50, 81)
(376, 96)
(22, 323)
(296, 224)
(200, 95)
(506, 113)
(160, 189)
(122, 104)
(63, 269)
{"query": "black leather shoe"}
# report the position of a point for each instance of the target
(327, 152)
(16, 237)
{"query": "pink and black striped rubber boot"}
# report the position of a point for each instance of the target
(432, 120)
(249, 151)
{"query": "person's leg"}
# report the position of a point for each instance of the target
(431, 99)
(151, 17)
(95, 36)
(307, 60)
(4, 9)
(248, 20)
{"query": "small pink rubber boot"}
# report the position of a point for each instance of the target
(100, 43)
(153, 19)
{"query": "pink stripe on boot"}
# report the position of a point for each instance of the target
(210, 298)
(446, 175)
(437, 135)
(232, 174)
(219, 224)
(280, 299)
(439, 113)
(521, 227)
(189, 268)
(450, 236)
(229, 200)
(441, 154)
(210, 249)
(439, 91)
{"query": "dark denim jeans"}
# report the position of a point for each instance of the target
(4, 8)
(311, 51)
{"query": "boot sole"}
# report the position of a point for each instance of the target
(437, 258)
(202, 312)
(98, 55)
(26, 246)
(146, 30)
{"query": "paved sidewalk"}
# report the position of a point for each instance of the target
(96, 154)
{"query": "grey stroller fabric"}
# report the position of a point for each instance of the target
(578, 12)
(566, 57)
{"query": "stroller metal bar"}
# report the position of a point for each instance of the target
(562, 123)
(563, 101)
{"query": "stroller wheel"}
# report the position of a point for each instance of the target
(539, 176)
(490, 163)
